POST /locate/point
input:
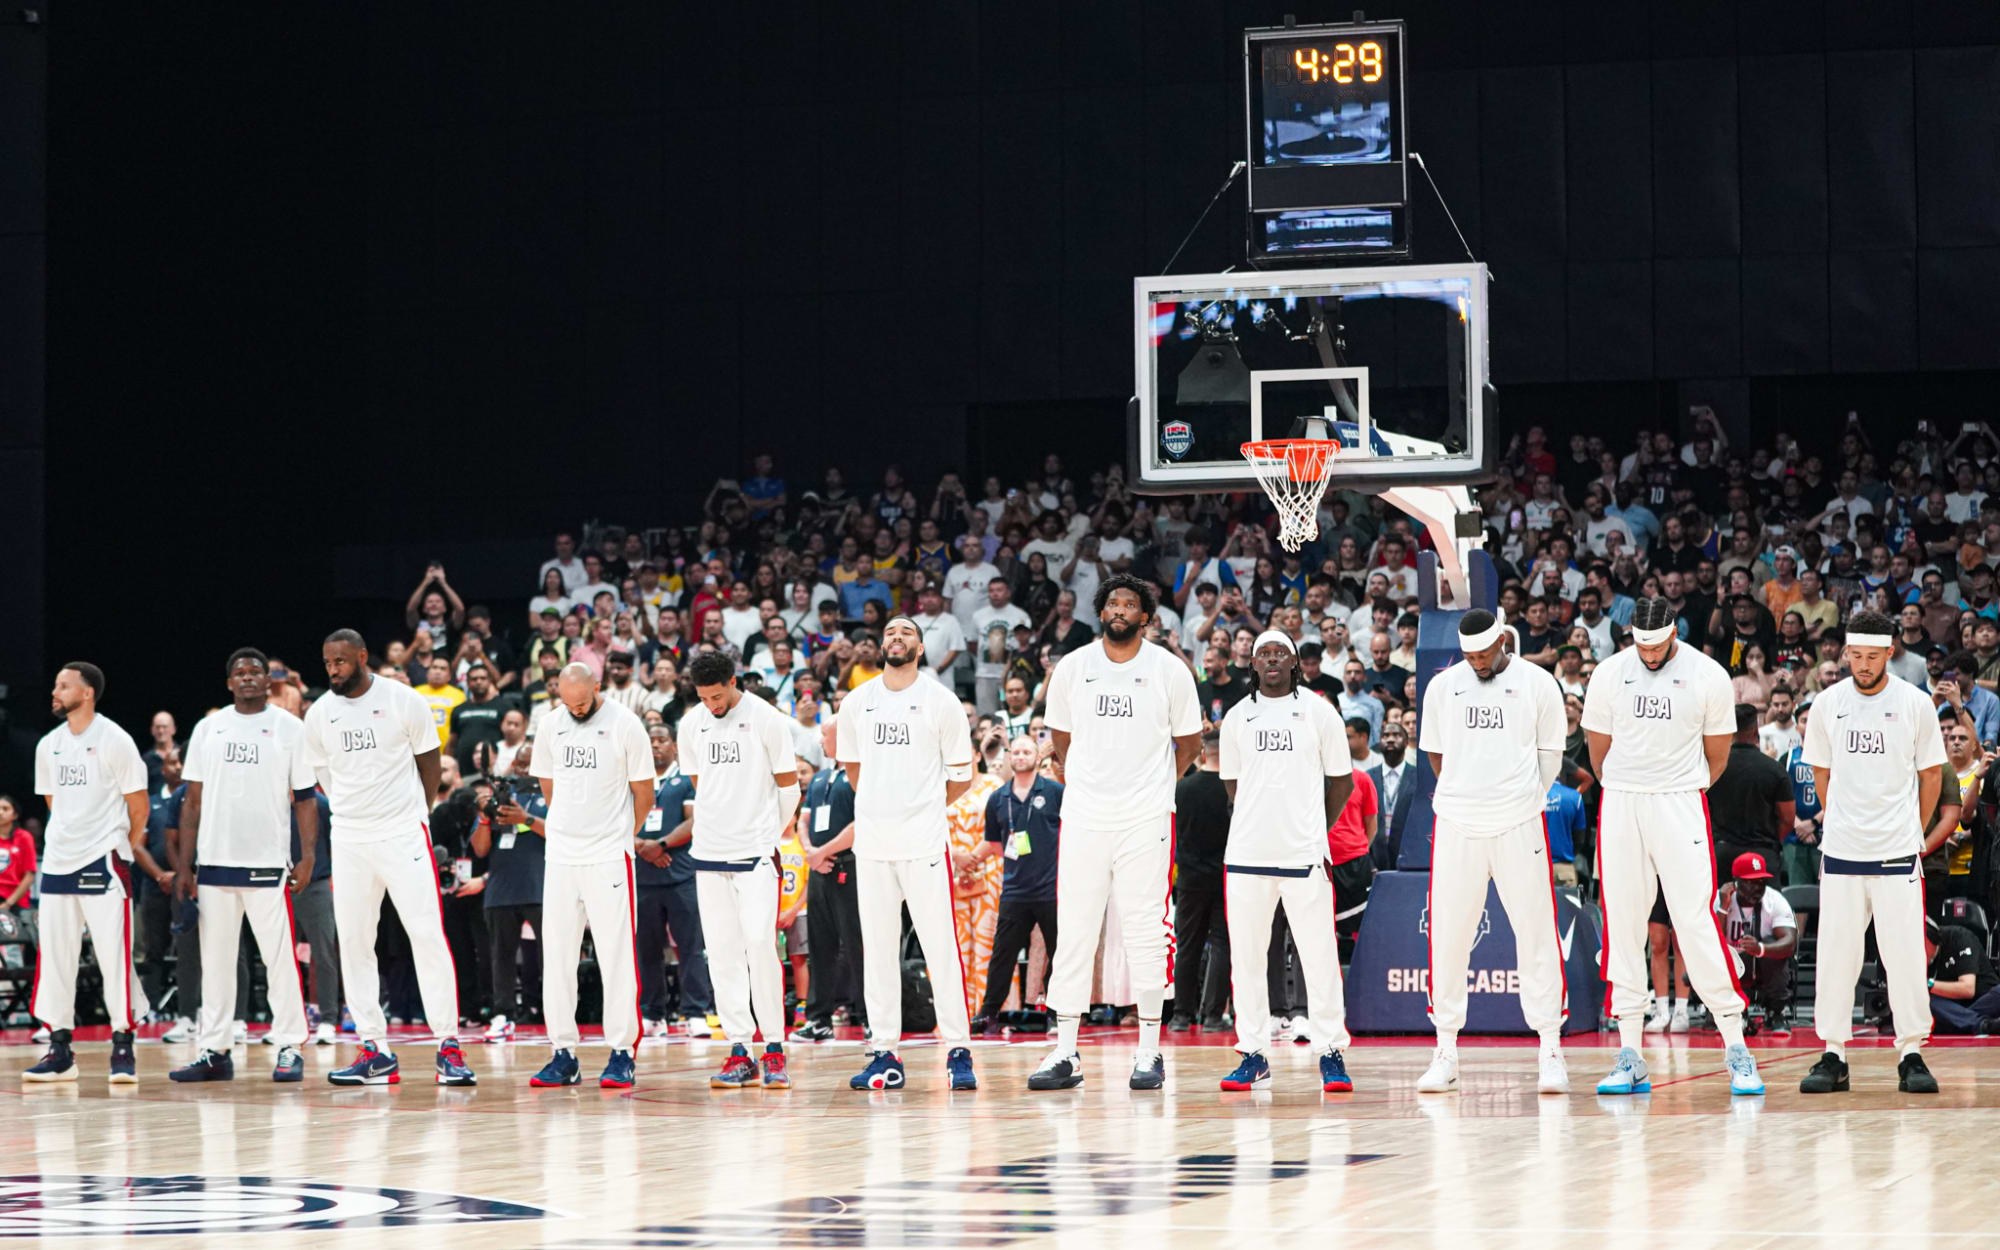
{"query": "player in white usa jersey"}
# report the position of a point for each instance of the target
(1660, 716)
(1125, 723)
(738, 751)
(247, 781)
(903, 739)
(1492, 725)
(1286, 768)
(1877, 759)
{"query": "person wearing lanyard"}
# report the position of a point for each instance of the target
(833, 908)
(667, 902)
(1023, 822)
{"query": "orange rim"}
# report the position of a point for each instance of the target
(1304, 458)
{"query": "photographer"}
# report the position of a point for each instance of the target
(509, 835)
(458, 813)
(664, 878)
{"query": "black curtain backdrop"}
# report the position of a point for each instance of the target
(337, 289)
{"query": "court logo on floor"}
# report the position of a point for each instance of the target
(109, 1206)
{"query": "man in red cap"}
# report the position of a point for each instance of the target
(1762, 934)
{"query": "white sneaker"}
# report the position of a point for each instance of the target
(1657, 1020)
(323, 1035)
(1679, 1024)
(1555, 1073)
(40, 1035)
(183, 1031)
(241, 1035)
(652, 1028)
(500, 1029)
(697, 1026)
(1442, 1076)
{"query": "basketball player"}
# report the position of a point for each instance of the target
(1124, 722)
(738, 752)
(595, 764)
(1493, 727)
(1877, 758)
(374, 745)
(1286, 767)
(89, 773)
(247, 780)
(1660, 717)
(908, 737)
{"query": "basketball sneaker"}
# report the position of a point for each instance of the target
(1149, 1071)
(1658, 1017)
(372, 1066)
(323, 1034)
(620, 1072)
(1913, 1076)
(1063, 1069)
(207, 1066)
(1628, 1075)
(499, 1029)
(1679, 1022)
(1252, 1070)
(290, 1067)
(737, 1071)
(561, 1069)
(1828, 1076)
(58, 1065)
(699, 1027)
(884, 1071)
(1743, 1078)
(813, 1031)
(124, 1065)
(775, 1076)
(183, 1031)
(959, 1064)
(1442, 1076)
(1554, 1075)
(1333, 1078)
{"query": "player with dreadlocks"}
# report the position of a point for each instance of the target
(1286, 767)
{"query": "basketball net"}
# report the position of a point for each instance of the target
(1293, 472)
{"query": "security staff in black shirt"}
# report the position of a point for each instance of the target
(1023, 825)
(664, 876)
(1201, 828)
(833, 907)
(1965, 995)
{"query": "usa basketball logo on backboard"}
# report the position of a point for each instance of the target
(1177, 437)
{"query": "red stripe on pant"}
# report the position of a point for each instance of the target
(124, 940)
(632, 909)
(451, 1027)
(1167, 905)
(1430, 927)
(1728, 960)
(1555, 916)
(1604, 909)
(950, 882)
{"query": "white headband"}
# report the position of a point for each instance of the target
(1273, 635)
(1483, 639)
(1870, 640)
(1653, 637)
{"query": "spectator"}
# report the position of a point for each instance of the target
(1356, 703)
(443, 697)
(509, 836)
(1566, 821)
(1750, 804)
(863, 588)
(1201, 824)
(164, 739)
(976, 879)
(17, 859)
(312, 910)
(1762, 935)
(1779, 734)
(944, 637)
(832, 905)
(475, 722)
(763, 491)
(565, 563)
(434, 607)
(1539, 637)
(1350, 840)
(1948, 869)
(1358, 747)
(1383, 673)
(1397, 765)
(993, 633)
(1965, 995)
(1964, 693)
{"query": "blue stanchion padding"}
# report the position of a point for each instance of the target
(1437, 650)
(1388, 982)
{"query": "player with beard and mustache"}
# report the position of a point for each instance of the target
(374, 746)
(1125, 723)
(908, 753)
(1493, 728)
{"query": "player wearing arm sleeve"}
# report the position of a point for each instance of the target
(1286, 766)
(1659, 717)
(1878, 760)
(595, 765)
(904, 743)
(1493, 727)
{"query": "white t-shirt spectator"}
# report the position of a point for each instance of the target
(908, 743)
(1963, 508)
(248, 767)
(1492, 734)
(820, 593)
(586, 595)
(1280, 752)
(982, 622)
(740, 625)
(1215, 573)
(1058, 554)
(1111, 550)
(88, 775)
(572, 572)
(1873, 747)
(1594, 533)
(1658, 718)
(1539, 514)
(964, 589)
(1122, 720)
(561, 604)
(366, 751)
(943, 636)
(1777, 740)
(593, 763)
(734, 761)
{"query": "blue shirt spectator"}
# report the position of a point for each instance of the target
(1563, 817)
(1026, 831)
(1805, 795)
(863, 588)
(1644, 525)
(322, 846)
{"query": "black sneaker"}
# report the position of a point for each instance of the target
(1828, 1076)
(813, 1031)
(124, 1065)
(1180, 1024)
(1058, 1071)
(1914, 1077)
(1149, 1072)
(58, 1065)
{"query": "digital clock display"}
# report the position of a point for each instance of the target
(1328, 99)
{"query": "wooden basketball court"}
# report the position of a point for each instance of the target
(671, 1163)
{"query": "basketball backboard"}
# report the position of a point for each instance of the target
(1393, 357)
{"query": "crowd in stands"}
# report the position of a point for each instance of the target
(1764, 551)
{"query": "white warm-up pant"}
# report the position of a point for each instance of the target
(1517, 863)
(402, 868)
(269, 910)
(1896, 904)
(598, 895)
(739, 924)
(1094, 866)
(1250, 899)
(882, 888)
(1652, 845)
(61, 920)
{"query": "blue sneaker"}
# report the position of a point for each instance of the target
(208, 1066)
(372, 1066)
(1148, 1072)
(884, 1071)
(291, 1066)
(1743, 1078)
(738, 1070)
(1627, 1076)
(1251, 1071)
(452, 1068)
(58, 1065)
(561, 1069)
(959, 1064)
(124, 1065)
(619, 1073)
(1333, 1077)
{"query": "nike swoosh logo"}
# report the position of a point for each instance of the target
(1840, 716)
(1090, 679)
(1630, 680)
(333, 720)
(1568, 939)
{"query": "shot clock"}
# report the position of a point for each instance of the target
(1325, 136)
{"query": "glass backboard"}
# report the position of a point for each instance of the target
(1392, 358)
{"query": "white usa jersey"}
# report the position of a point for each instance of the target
(733, 761)
(593, 763)
(1280, 752)
(1658, 718)
(1872, 747)
(366, 749)
(1491, 735)
(1122, 720)
(249, 767)
(908, 742)
(86, 777)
